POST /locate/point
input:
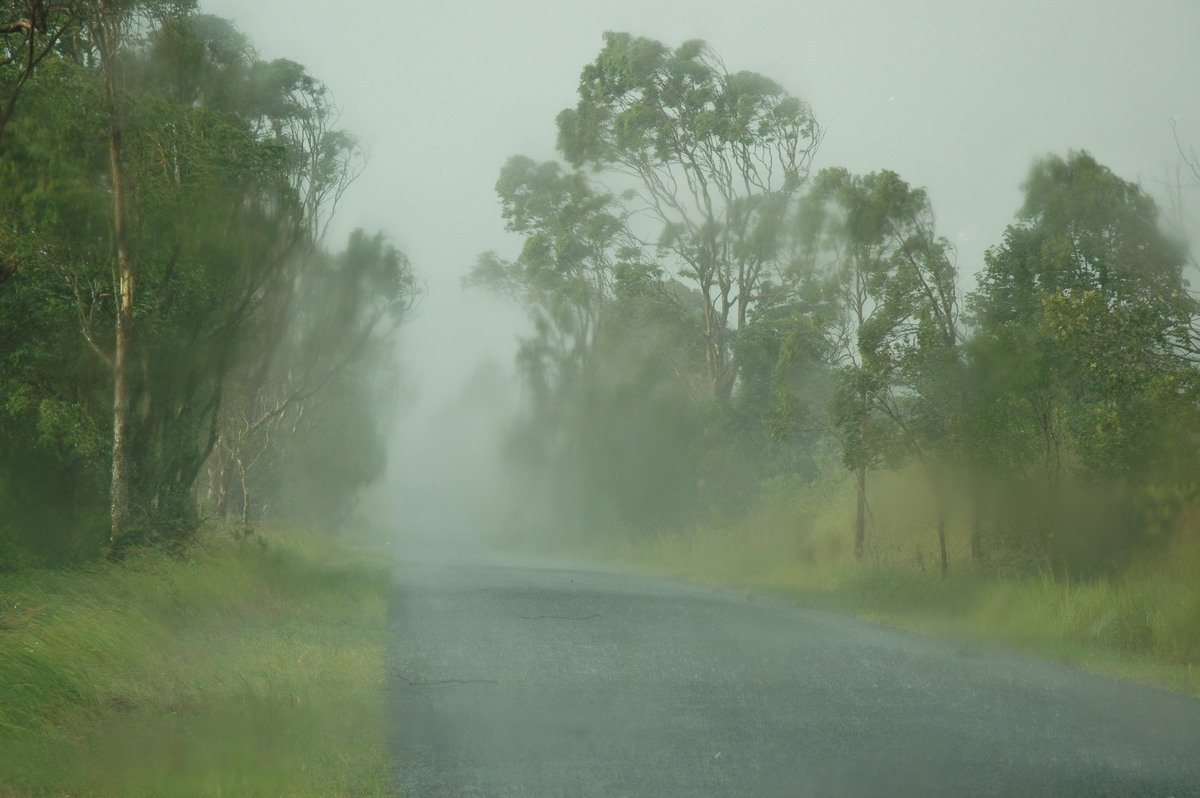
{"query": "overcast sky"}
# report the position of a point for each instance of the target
(956, 96)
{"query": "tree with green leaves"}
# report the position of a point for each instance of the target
(716, 159)
(890, 310)
(1084, 350)
(577, 278)
(575, 239)
(316, 384)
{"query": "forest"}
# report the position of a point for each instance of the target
(718, 324)
(715, 322)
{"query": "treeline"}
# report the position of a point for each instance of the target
(176, 340)
(713, 315)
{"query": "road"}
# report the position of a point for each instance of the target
(518, 679)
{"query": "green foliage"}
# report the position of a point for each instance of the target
(635, 357)
(1083, 354)
(641, 102)
(232, 168)
(827, 314)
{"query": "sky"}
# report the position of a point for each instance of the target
(957, 96)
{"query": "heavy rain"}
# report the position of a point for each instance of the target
(592, 399)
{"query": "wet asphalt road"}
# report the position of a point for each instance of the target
(509, 679)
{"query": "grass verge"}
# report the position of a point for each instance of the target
(243, 669)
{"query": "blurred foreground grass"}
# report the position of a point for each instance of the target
(1142, 624)
(242, 669)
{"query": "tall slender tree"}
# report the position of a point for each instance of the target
(894, 337)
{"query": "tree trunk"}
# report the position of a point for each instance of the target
(218, 479)
(860, 520)
(942, 543)
(241, 464)
(125, 272)
(977, 528)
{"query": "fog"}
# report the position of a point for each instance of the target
(959, 98)
(755, 398)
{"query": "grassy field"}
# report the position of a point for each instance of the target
(250, 668)
(1143, 624)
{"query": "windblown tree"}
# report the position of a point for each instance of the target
(301, 328)
(716, 158)
(111, 31)
(297, 429)
(581, 277)
(891, 312)
(1085, 348)
(640, 293)
(575, 237)
(92, 98)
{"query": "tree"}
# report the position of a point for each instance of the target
(1084, 335)
(717, 158)
(575, 238)
(314, 385)
(577, 260)
(890, 311)
(110, 26)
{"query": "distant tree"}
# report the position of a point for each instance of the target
(299, 435)
(575, 239)
(580, 277)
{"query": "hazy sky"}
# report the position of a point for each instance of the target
(957, 96)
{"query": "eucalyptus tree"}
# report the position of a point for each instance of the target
(276, 354)
(69, 203)
(291, 174)
(575, 237)
(112, 29)
(574, 277)
(888, 312)
(927, 394)
(303, 435)
(716, 159)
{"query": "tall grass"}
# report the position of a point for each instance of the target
(242, 669)
(1142, 622)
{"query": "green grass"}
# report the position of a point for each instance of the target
(242, 669)
(1143, 624)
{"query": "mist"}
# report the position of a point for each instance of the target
(543, 398)
(957, 101)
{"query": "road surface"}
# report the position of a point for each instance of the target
(513, 679)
